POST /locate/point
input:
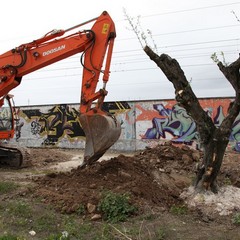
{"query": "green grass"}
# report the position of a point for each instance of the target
(116, 207)
(45, 222)
(9, 237)
(20, 215)
(236, 219)
(61, 236)
(178, 209)
(7, 187)
(19, 209)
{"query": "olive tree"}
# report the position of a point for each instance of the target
(214, 140)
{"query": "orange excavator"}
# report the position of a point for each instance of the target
(102, 129)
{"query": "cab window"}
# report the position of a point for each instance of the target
(5, 115)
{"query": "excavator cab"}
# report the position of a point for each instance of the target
(6, 118)
(9, 155)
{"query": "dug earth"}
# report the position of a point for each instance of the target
(156, 179)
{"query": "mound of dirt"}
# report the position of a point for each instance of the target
(154, 178)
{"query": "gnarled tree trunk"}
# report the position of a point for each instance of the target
(213, 140)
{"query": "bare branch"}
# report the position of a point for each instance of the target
(232, 74)
(184, 93)
(139, 32)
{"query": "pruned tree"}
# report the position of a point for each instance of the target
(213, 140)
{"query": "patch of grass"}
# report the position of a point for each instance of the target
(106, 233)
(45, 222)
(7, 187)
(19, 209)
(161, 234)
(236, 219)
(61, 236)
(76, 228)
(227, 181)
(11, 237)
(17, 216)
(116, 207)
(149, 217)
(140, 230)
(178, 209)
(81, 210)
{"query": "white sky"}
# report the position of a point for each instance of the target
(188, 30)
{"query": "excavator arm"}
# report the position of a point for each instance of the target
(96, 45)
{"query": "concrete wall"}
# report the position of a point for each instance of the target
(144, 123)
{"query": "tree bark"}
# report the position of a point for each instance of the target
(213, 140)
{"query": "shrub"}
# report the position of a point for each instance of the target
(236, 219)
(116, 207)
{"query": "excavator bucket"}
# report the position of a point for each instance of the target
(101, 131)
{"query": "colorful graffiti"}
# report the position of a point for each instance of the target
(235, 134)
(59, 121)
(174, 121)
(142, 122)
(178, 124)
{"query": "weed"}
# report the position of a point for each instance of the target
(7, 187)
(81, 210)
(116, 207)
(178, 210)
(161, 234)
(236, 219)
(61, 236)
(227, 181)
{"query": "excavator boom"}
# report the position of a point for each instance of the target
(102, 130)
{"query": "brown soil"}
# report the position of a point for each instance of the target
(155, 178)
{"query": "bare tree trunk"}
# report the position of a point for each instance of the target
(213, 151)
(213, 140)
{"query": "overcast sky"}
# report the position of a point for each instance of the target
(188, 30)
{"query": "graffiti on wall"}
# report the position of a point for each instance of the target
(60, 121)
(235, 134)
(51, 125)
(176, 123)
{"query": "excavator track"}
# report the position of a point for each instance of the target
(14, 157)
